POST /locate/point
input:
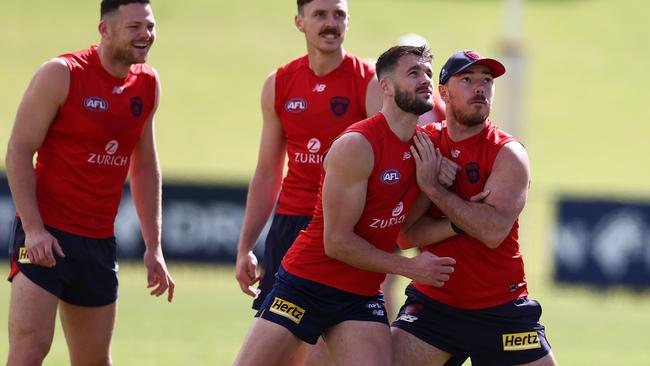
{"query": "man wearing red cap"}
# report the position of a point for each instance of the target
(483, 309)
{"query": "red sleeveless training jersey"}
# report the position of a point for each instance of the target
(391, 192)
(483, 277)
(84, 159)
(313, 111)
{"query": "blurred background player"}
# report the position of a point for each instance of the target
(483, 310)
(305, 104)
(89, 114)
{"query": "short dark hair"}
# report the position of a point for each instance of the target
(387, 61)
(109, 6)
(302, 3)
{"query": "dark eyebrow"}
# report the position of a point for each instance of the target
(415, 68)
(464, 72)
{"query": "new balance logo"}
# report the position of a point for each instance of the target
(319, 88)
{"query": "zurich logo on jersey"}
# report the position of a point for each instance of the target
(390, 176)
(295, 105)
(96, 104)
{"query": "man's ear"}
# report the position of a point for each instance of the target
(386, 86)
(103, 28)
(444, 93)
(298, 20)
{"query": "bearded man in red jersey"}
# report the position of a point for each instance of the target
(483, 310)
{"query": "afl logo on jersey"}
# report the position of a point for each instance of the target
(295, 105)
(390, 176)
(96, 104)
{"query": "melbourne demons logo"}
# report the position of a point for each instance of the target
(472, 172)
(96, 104)
(390, 176)
(339, 105)
(472, 54)
(295, 105)
(136, 106)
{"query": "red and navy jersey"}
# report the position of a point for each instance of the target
(483, 277)
(390, 193)
(84, 159)
(314, 110)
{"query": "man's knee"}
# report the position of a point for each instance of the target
(91, 360)
(28, 352)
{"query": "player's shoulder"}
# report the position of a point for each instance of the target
(79, 59)
(293, 65)
(351, 143)
(358, 66)
(55, 70)
(433, 128)
(499, 137)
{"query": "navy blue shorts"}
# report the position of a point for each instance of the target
(87, 276)
(283, 232)
(508, 334)
(308, 308)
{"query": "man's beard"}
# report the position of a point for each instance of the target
(473, 118)
(408, 102)
(126, 55)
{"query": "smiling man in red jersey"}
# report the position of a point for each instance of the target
(483, 310)
(329, 282)
(89, 116)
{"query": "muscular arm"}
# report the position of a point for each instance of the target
(344, 196)
(44, 96)
(146, 190)
(490, 220)
(263, 189)
(420, 229)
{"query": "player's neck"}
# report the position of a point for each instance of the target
(115, 68)
(458, 131)
(322, 63)
(401, 123)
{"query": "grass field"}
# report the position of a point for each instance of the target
(209, 318)
(586, 130)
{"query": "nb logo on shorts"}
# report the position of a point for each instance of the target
(407, 318)
(521, 341)
(23, 257)
(287, 309)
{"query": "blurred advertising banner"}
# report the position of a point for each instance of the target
(200, 222)
(603, 243)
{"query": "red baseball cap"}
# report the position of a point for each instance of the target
(461, 60)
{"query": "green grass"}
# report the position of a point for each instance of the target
(209, 318)
(586, 130)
